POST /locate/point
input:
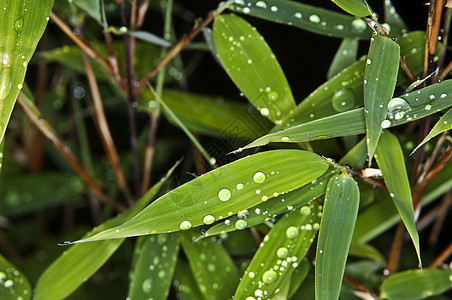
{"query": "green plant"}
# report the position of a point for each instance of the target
(288, 222)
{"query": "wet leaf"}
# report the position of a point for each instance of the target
(91, 7)
(444, 124)
(359, 8)
(155, 261)
(306, 17)
(223, 192)
(213, 269)
(345, 56)
(299, 275)
(402, 109)
(382, 65)
(267, 210)
(252, 66)
(150, 38)
(13, 283)
(356, 157)
(422, 284)
(184, 282)
(23, 23)
(78, 263)
(335, 234)
(390, 160)
(396, 23)
(280, 252)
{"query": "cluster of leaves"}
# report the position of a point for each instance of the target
(286, 223)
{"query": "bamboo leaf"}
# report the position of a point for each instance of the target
(280, 253)
(306, 17)
(394, 20)
(78, 263)
(422, 284)
(444, 124)
(155, 261)
(252, 66)
(335, 234)
(359, 8)
(403, 109)
(91, 7)
(382, 65)
(185, 283)
(223, 192)
(13, 283)
(282, 203)
(213, 269)
(344, 57)
(390, 159)
(23, 23)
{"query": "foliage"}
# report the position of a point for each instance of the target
(277, 196)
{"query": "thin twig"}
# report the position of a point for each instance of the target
(66, 152)
(441, 257)
(443, 209)
(104, 130)
(396, 247)
(407, 69)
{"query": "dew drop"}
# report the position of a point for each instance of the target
(246, 10)
(185, 225)
(305, 211)
(241, 224)
(298, 15)
(264, 111)
(359, 25)
(208, 219)
(259, 177)
(243, 214)
(239, 186)
(343, 100)
(269, 277)
(292, 232)
(396, 104)
(146, 286)
(18, 25)
(428, 107)
(5, 80)
(314, 19)
(443, 96)
(224, 194)
(274, 8)
(273, 96)
(261, 4)
(282, 252)
(285, 139)
(368, 61)
(385, 124)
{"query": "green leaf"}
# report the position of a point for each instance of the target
(252, 66)
(223, 192)
(356, 157)
(382, 65)
(403, 109)
(280, 252)
(91, 7)
(150, 38)
(26, 193)
(213, 269)
(299, 275)
(306, 17)
(282, 203)
(78, 263)
(390, 160)
(335, 234)
(155, 261)
(13, 283)
(345, 56)
(416, 284)
(359, 8)
(444, 124)
(394, 20)
(23, 23)
(184, 282)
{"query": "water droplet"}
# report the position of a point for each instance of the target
(343, 100)
(285, 139)
(5, 80)
(273, 96)
(368, 61)
(274, 8)
(185, 225)
(298, 15)
(264, 198)
(246, 10)
(269, 277)
(261, 4)
(314, 19)
(241, 224)
(359, 25)
(443, 96)
(428, 107)
(282, 252)
(243, 214)
(385, 124)
(259, 177)
(305, 211)
(224, 194)
(146, 286)
(208, 219)
(239, 186)
(264, 111)
(18, 25)
(259, 293)
(292, 232)
(396, 104)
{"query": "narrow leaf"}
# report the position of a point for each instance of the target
(359, 8)
(444, 124)
(382, 65)
(78, 263)
(150, 38)
(13, 283)
(252, 66)
(213, 269)
(155, 261)
(184, 282)
(391, 161)
(23, 23)
(223, 192)
(306, 17)
(345, 56)
(280, 253)
(267, 210)
(416, 284)
(396, 23)
(335, 234)
(91, 7)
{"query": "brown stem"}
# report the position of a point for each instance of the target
(66, 152)
(396, 247)
(441, 257)
(113, 60)
(358, 285)
(149, 154)
(104, 131)
(407, 69)
(442, 209)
